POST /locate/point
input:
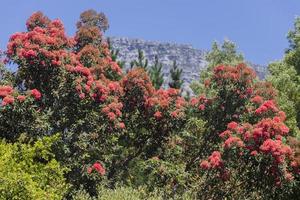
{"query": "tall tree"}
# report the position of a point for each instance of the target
(141, 61)
(284, 75)
(92, 18)
(176, 74)
(156, 75)
(219, 54)
(292, 56)
(224, 54)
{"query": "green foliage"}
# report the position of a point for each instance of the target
(155, 74)
(114, 54)
(121, 137)
(6, 77)
(292, 56)
(176, 74)
(225, 54)
(119, 193)
(285, 79)
(31, 171)
(141, 61)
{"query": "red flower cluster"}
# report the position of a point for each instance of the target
(277, 149)
(8, 95)
(158, 115)
(232, 141)
(239, 74)
(8, 100)
(232, 125)
(36, 94)
(21, 98)
(200, 103)
(264, 138)
(257, 99)
(6, 90)
(113, 110)
(98, 167)
(168, 102)
(214, 161)
(37, 19)
(42, 44)
(267, 106)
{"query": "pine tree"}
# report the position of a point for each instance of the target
(141, 61)
(156, 75)
(224, 54)
(176, 73)
(114, 53)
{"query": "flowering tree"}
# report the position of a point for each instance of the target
(117, 128)
(247, 136)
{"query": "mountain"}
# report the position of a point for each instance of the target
(191, 60)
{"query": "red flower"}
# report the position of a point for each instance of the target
(21, 98)
(82, 96)
(36, 94)
(215, 160)
(111, 116)
(201, 107)
(158, 115)
(205, 164)
(99, 168)
(8, 100)
(289, 177)
(253, 153)
(232, 141)
(121, 125)
(257, 99)
(89, 170)
(5, 90)
(232, 125)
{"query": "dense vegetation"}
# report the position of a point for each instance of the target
(74, 125)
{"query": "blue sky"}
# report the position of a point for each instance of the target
(258, 27)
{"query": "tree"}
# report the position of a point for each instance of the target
(225, 54)
(115, 53)
(118, 129)
(91, 18)
(285, 76)
(285, 79)
(176, 73)
(292, 56)
(141, 61)
(156, 75)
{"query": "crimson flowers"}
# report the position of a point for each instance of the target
(96, 167)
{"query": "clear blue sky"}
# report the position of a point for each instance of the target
(259, 27)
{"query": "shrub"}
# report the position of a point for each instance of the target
(31, 171)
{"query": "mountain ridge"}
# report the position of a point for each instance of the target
(188, 58)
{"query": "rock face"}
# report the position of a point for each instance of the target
(191, 60)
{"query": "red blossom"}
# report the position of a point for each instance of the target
(232, 125)
(158, 115)
(205, 164)
(5, 90)
(21, 98)
(121, 125)
(8, 100)
(99, 168)
(36, 94)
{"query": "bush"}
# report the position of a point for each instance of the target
(31, 171)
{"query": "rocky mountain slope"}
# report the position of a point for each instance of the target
(191, 60)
